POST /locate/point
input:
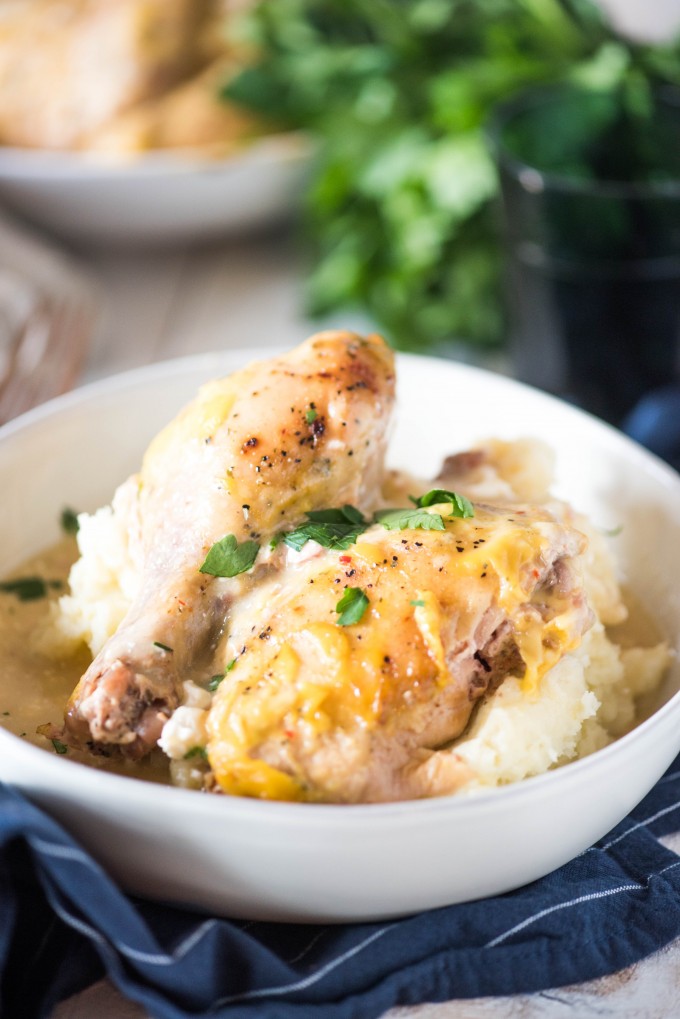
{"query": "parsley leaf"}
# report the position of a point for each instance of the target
(216, 680)
(399, 207)
(332, 528)
(227, 558)
(402, 519)
(418, 602)
(59, 747)
(311, 415)
(25, 588)
(346, 514)
(69, 520)
(196, 752)
(351, 606)
(460, 506)
(163, 647)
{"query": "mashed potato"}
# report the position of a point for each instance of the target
(585, 701)
(103, 581)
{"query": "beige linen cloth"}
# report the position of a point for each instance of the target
(49, 308)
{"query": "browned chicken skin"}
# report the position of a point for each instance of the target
(250, 455)
(312, 704)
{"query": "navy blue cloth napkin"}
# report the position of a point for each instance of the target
(655, 422)
(64, 923)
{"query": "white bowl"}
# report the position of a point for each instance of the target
(158, 197)
(317, 863)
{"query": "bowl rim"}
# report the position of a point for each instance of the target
(33, 165)
(276, 811)
(281, 811)
(129, 378)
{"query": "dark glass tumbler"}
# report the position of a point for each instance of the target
(590, 201)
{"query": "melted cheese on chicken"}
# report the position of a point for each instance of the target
(318, 701)
(302, 683)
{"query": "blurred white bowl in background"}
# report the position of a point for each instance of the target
(159, 197)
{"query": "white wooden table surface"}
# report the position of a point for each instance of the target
(247, 294)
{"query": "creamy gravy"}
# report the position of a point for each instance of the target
(35, 687)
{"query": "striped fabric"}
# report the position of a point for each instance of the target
(63, 923)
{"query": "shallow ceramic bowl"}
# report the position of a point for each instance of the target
(310, 862)
(158, 197)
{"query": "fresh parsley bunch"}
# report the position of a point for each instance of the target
(397, 92)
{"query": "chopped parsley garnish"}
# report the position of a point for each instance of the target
(216, 680)
(311, 415)
(163, 647)
(339, 528)
(332, 528)
(403, 519)
(59, 747)
(460, 506)
(418, 602)
(346, 514)
(69, 520)
(196, 752)
(228, 558)
(25, 588)
(351, 606)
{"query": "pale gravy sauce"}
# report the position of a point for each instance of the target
(35, 686)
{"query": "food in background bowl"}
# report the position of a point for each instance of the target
(114, 129)
(119, 76)
(289, 620)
